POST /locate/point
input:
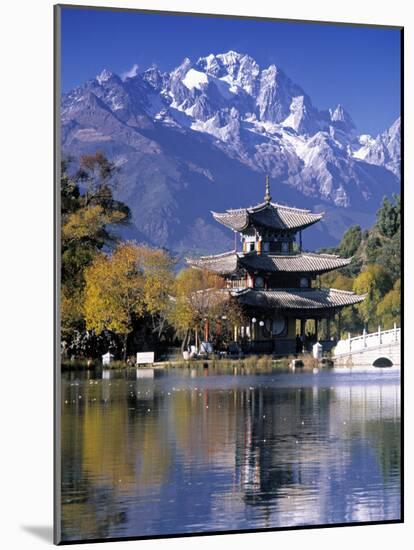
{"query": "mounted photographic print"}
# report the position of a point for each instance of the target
(228, 288)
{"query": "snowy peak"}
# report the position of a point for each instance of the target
(384, 150)
(230, 62)
(154, 77)
(105, 76)
(393, 134)
(182, 69)
(276, 95)
(209, 64)
(342, 118)
(255, 116)
(238, 70)
(235, 80)
(396, 127)
(303, 118)
(195, 79)
(232, 58)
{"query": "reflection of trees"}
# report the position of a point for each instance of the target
(270, 436)
(204, 423)
(92, 517)
(152, 451)
(90, 508)
(110, 445)
(385, 437)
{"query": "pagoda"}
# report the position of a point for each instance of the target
(275, 281)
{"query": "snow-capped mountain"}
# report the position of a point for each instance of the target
(384, 150)
(202, 137)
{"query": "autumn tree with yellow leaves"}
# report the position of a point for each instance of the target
(389, 308)
(157, 266)
(123, 286)
(374, 282)
(85, 220)
(199, 298)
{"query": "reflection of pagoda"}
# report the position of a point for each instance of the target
(273, 279)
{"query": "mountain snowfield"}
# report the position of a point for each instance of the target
(203, 136)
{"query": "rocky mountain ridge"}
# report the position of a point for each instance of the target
(203, 136)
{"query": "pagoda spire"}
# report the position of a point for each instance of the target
(267, 196)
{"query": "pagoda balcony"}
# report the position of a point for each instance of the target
(237, 284)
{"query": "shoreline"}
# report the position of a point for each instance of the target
(252, 362)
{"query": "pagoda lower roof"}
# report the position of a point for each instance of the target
(267, 214)
(305, 262)
(223, 264)
(297, 299)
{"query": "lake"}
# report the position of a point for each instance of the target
(199, 450)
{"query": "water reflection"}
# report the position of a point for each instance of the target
(195, 450)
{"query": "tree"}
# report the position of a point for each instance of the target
(375, 282)
(389, 216)
(389, 308)
(195, 295)
(157, 266)
(69, 190)
(89, 224)
(351, 321)
(199, 298)
(350, 241)
(335, 279)
(123, 287)
(85, 221)
(375, 268)
(373, 249)
(98, 175)
(114, 292)
(389, 256)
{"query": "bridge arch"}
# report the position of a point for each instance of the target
(382, 362)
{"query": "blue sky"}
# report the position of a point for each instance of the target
(358, 67)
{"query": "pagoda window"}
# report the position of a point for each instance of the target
(304, 282)
(285, 246)
(251, 247)
(265, 247)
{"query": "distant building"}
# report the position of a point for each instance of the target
(274, 280)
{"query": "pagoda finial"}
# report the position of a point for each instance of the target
(267, 196)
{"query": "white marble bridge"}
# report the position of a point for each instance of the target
(378, 349)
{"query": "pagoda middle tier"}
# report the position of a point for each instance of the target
(234, 263)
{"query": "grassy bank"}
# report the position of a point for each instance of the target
(253, 362)
(92, 364)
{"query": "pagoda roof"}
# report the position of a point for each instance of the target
(305, 262)
(223, 264)
(267, 214)
(298, 299)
